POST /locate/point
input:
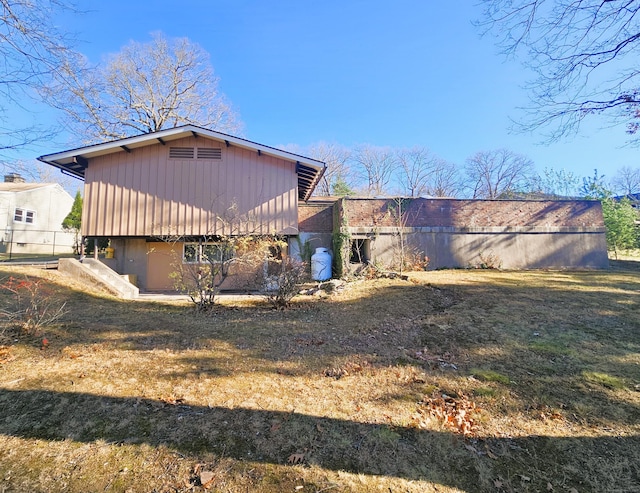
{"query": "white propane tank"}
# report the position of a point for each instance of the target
(321, 265)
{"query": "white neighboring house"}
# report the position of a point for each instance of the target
(31, 216)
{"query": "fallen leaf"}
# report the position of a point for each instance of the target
(497, 483)
(549, 487)
(295, 459)
(5, 354)
(171, 400)
(206, 479)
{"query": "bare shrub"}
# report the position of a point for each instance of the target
(206, 264)
(32, 305)
(281, 279)
(489, 260)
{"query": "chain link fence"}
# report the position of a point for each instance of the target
(37, 244)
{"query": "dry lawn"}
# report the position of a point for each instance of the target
(461, 380)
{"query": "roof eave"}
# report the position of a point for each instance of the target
(74, 161)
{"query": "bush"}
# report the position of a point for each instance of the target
(281, 279)
(32, 305)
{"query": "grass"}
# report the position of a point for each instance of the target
(465, 380)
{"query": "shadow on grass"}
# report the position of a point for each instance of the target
(586, 463)
(543, 331)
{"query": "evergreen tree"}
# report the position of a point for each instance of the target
(73, 221)
(620, 220)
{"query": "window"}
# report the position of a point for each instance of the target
(194, 253)
(190, 253)
(24, 216)
(360, 251)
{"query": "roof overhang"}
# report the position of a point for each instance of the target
(75, 161)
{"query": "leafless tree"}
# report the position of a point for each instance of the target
(497, 174)
(584, 54)
(445, 180)
(376, 166)
(415, 167)
(336, 158)
(626, 181)
(32, 48)
(420, 172)
(144, 88)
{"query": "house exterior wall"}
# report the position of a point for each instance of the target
(145, 193)
(155, 264)
(460, 233)
(50, 204)
(315, 219)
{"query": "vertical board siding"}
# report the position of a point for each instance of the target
(144, 193)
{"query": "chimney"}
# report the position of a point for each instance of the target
(13, 178)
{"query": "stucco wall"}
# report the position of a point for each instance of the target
(507, 249)
(154, 263)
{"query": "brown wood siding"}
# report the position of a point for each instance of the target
(144, 193)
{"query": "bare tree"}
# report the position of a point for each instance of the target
(420, 172)
(584, 54)
(336, 158)
(415, 167)
(376, 167)
(497, 174)
(626, 181)
(144, 88)
(445, 180)
(32, 48)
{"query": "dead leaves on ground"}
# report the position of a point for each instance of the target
(171, 400)
(6, 354)
(203, 476)
(455, 413)
(436, 361)
(349, 368)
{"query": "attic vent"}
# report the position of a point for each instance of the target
(181, 153)
(209, 153)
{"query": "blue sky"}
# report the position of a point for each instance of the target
(398, 74)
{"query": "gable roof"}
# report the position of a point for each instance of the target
(23, 187)
(75, 161)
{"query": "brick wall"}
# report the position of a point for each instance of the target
(452, 213)
(315, 217)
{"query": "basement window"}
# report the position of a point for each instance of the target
(360, 251)
(200, 253)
